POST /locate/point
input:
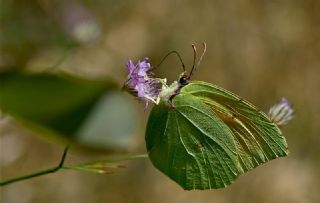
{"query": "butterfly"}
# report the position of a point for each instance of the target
(203, 136)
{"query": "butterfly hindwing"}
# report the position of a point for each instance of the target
(191, 144)
(258, 140)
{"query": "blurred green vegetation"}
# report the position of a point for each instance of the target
(65, 107)
(261, 50)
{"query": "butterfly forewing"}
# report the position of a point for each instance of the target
(257, 138)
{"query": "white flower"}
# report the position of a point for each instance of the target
(281, 113)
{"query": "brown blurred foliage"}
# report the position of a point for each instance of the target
(261, 50)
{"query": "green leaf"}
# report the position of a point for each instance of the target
(67, 107)
(210, 137)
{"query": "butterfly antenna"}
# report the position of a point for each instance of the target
(168, 54)
(200, 59)
(194, 59)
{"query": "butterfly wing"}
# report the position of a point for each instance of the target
(258, 140)
(192, 145)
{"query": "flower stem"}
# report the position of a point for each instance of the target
(40, 173)
(62, 166)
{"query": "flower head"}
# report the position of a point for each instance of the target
(281, 113)
(142, 83)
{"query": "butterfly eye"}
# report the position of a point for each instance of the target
(183, 81)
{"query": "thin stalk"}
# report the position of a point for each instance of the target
(118, 159)
(75, 167)
(40, 173)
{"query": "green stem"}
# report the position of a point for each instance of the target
(62, 166)
(118, 159)
(40, 173)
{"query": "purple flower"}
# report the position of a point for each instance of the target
(281, 113)
(138, 73)
(141, 83)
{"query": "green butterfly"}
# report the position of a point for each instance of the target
(201, 135)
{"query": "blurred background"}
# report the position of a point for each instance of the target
(261, 50)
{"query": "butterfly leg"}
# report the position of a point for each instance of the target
(171, 105)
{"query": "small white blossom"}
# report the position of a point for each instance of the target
(281, 113)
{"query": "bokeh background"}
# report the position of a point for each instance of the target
(261, 50)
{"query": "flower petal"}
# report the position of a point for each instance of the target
(130, 66)
(142, 83)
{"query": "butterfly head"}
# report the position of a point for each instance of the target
(185, 76)
(183, 79)
(142, 83)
